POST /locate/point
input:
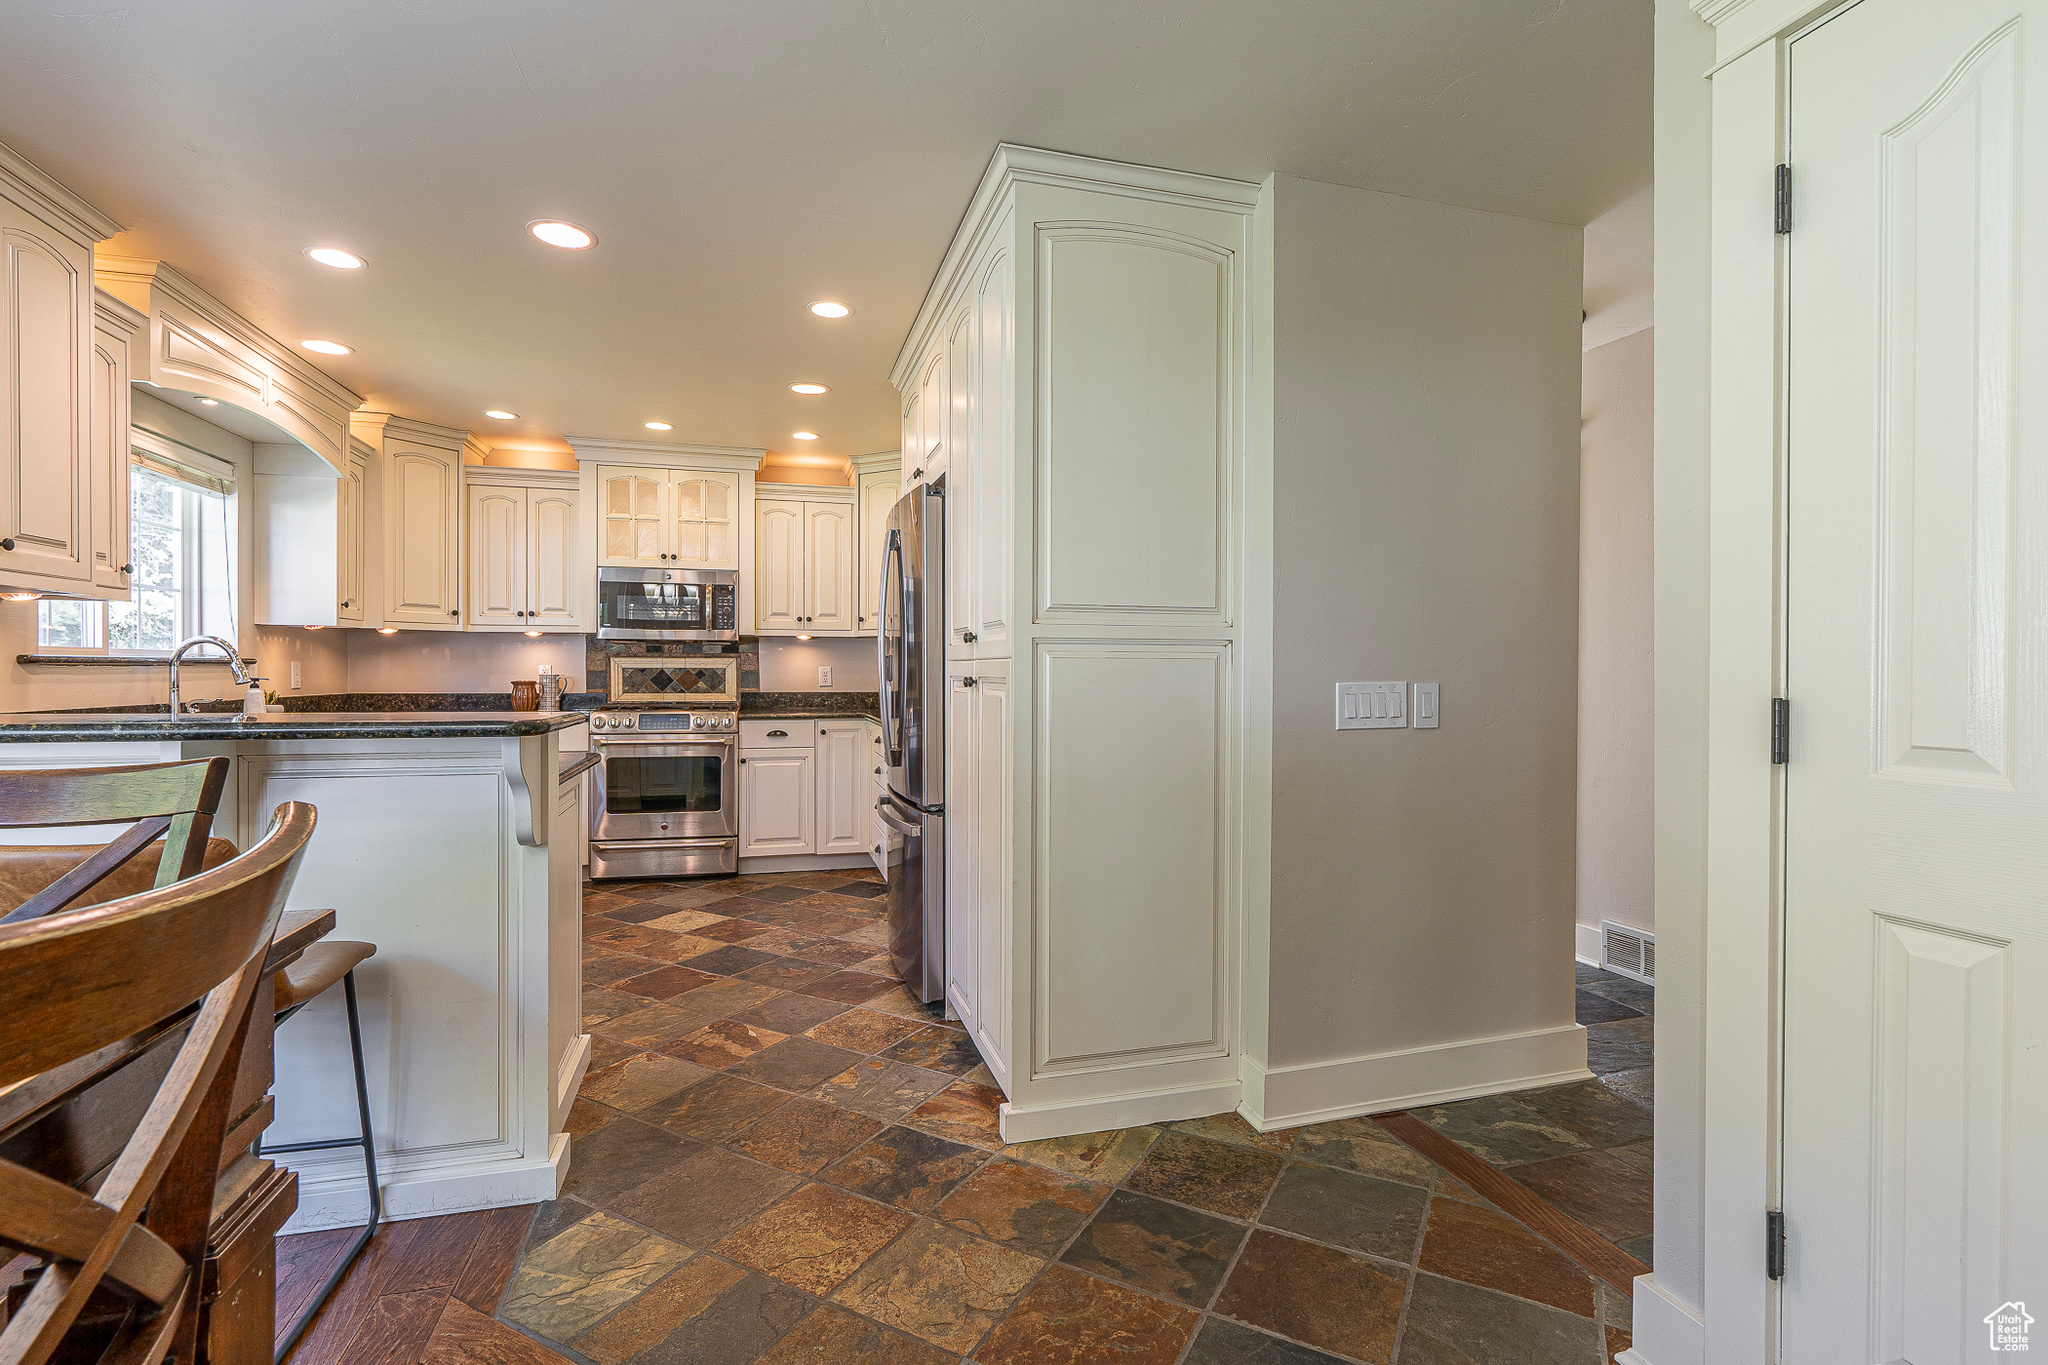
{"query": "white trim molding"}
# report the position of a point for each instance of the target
(1664, 1331)
(1058, 1119)
(21, 179)
(1347, 1087)
(666, 454)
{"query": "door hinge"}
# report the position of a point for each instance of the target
(1783, 216)
(1781, 730)
(1774, 1243)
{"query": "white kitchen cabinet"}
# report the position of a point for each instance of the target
(844, 813)
(527, 568)
(804, 557)
(418, 524)
(1093, 907)
(668, 518)
(829, 591)
(778, 802)
(48, 356)
(115, 328)
(352, 537)
(878, 485)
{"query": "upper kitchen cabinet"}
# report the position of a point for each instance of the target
(877, 483)
(668, 518)
(805, 558)
(418, 559)
(198, 345)
(529, 565)
(668, 505)
(48, 360)
(1079, 377)
(115, 328)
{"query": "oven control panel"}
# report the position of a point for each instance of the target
(664, 722)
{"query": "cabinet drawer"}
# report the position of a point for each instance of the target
(778, 734)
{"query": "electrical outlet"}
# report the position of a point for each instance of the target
(295, 675)
(824, 675)
(546, 668)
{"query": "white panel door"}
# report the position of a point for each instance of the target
(844, 810)
(829, 593)
(633, 517)
(110, 463)
(778, 565)
(1916, 816)
(990, 501)
(421, 552)
(497, 556)
(930, 451)
(555, 581)
(703, 534)
(46, 329)
(913, 440)
(994, 812)
(878, 497)
(778, 802)
(963, 832)
(350, 540)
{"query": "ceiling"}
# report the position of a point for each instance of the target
(737, 161)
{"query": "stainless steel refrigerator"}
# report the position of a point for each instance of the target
(911, 644)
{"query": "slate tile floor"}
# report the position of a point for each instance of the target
(781, 1158)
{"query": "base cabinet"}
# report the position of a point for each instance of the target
(807, 788)
(778, 802)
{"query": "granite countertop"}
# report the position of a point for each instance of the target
(572, 766)
(810, 706)
(54, 727)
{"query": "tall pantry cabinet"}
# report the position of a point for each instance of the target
(1077, 383)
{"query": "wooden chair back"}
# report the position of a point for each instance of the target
(174, 800)
(80, 981)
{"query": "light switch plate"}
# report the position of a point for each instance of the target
(824, 675)
(1425, 706)
(1372, 705)
(295, 675)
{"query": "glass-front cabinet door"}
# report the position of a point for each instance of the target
(703, 507)
(633, 503)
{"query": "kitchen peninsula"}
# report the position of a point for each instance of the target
(450, 840)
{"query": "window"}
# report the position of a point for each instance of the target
(182, 582)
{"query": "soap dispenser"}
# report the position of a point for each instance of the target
(252, 700)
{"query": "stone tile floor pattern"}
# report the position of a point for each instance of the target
(780, 1157)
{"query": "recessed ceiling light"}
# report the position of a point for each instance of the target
(565, 235)
(825, 308)
(660, 426)
(808, 388)
(334, 256)
(805, 435)
(207, 402)
(325, 347)
(501, 414)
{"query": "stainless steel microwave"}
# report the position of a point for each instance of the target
(668, 604)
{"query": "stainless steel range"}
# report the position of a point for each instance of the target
(666, 797)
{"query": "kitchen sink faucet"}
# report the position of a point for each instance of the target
(234, 662)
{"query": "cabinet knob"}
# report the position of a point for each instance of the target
(878, 772)
(454, 611)
(743, 762)
(969, 636)
(967, 682)
(130, 568)
(7, 544)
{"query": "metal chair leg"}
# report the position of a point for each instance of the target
(368, 1143)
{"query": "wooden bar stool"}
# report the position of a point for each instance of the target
(78, 983)
(316, 970)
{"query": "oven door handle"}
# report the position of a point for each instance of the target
(710, 748)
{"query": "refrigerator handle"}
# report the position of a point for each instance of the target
(892, 745)
(896, 822)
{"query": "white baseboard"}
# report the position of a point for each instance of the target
(1665, 1331)
(1317, 1092)
(333, 1197)
(1121, 1111)
(568, 1080)
(1586, 943)
(807, 862)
